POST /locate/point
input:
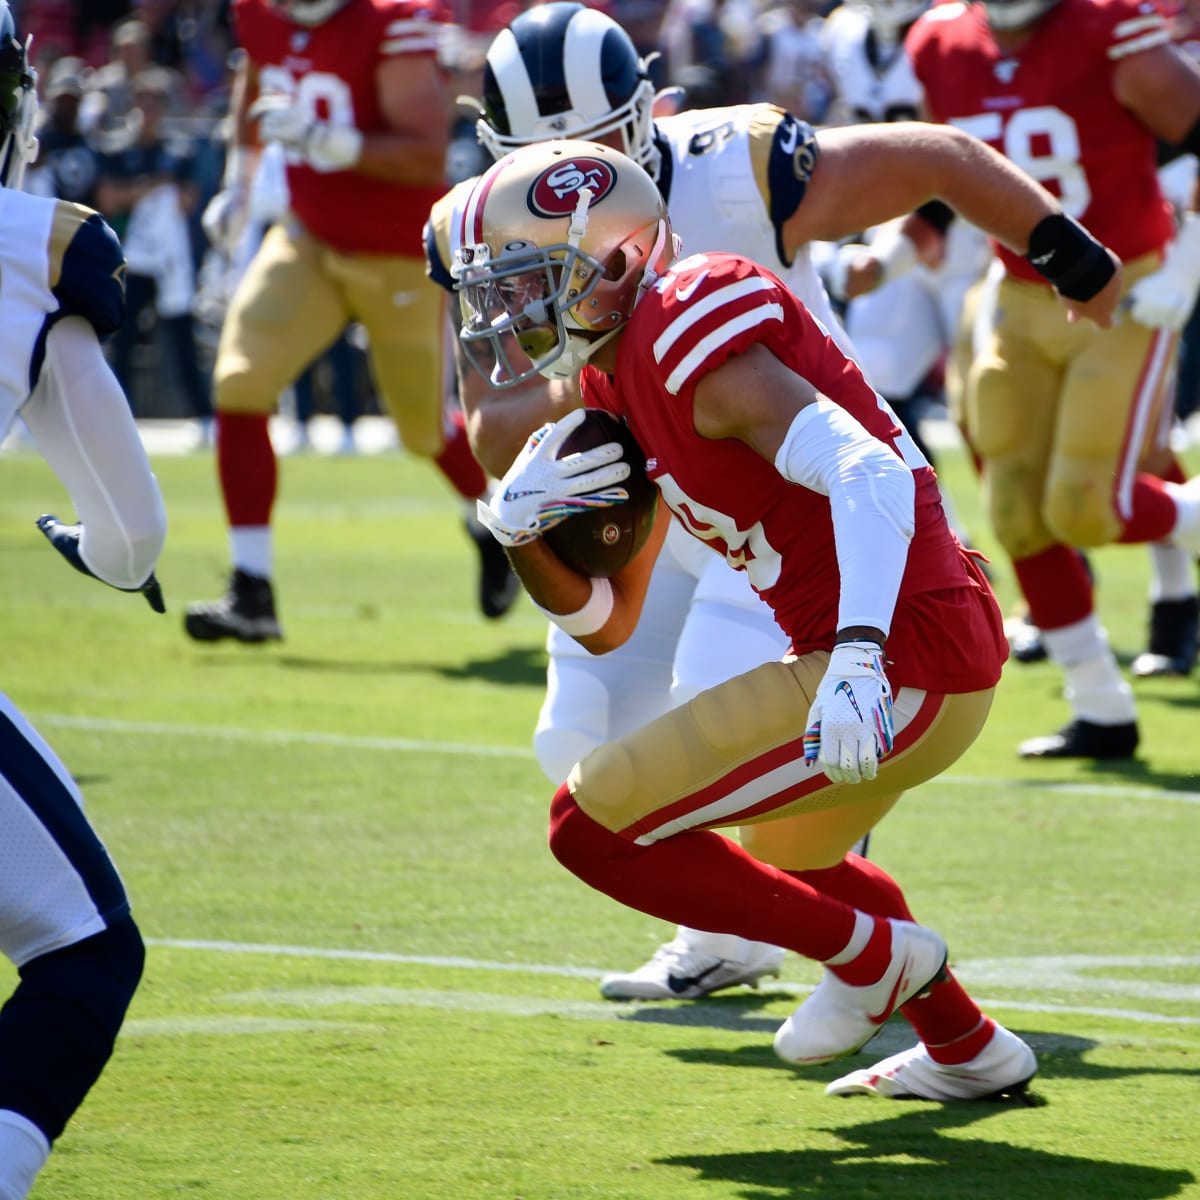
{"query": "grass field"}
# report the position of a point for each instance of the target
(368, 979)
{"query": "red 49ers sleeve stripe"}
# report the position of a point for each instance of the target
(712, 322)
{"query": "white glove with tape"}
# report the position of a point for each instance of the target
(324, 146)
(540, 490)
(850, 724)
(225, 215)
(1164, 300)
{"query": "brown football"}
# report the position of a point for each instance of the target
(600, 541)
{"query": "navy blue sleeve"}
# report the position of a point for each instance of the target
(792, 160)
(91, 283)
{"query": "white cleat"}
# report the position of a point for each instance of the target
(1002, 1068)
(839, 1018)
(687, 968)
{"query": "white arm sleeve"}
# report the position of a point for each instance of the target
(872, 496)
(80, 419)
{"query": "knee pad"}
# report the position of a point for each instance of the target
(1078, 505)
(58, 1028)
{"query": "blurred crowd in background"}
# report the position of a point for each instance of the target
(134, 98)
(135, 95)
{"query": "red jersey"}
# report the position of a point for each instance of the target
(333, 67)
(1051, 108)
(947, 634)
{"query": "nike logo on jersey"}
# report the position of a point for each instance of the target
(684, 294)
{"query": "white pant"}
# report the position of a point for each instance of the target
(702, 624)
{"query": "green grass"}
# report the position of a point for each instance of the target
(366, 790)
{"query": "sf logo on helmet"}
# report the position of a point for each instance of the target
(555, 192)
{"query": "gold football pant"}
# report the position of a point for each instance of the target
(296, 298)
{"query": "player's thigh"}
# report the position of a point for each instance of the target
(728, 630)
(1012, 405)
(897, 334)
(283, 315)
(734, 755)
(812, 841)
(591, 699)
(404, 316)
(1111, 410)
(57, 882)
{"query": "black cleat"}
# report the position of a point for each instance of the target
(1025, 643)
(246, 612)
(65, 539)
(498, 585)
(1173, 645)
(1084, 739)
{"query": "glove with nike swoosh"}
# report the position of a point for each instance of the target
(540, 490)
(850, 724)
(324, 146)
(1164, 299)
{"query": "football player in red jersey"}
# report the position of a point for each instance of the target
(769, 447)
(1063, 415)
(353, 92)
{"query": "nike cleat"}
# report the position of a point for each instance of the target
(1173, 644)
(1084, 739)
(683, 970)
(246, 612)
(1001, 1070)
(840, 1018)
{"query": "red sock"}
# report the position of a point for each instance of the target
(948, 1021)
(1153, 513)
(1056, 586)
(457, 462)
(247, 467)
(702, 880)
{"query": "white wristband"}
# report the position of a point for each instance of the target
(591, 617)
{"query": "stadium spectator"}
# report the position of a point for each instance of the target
(67, 165)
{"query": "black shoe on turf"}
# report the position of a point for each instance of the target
(1025, 643)
(498, 586)
(1173, 644)
(1084, 739)
(246, 612)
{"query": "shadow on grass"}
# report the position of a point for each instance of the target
(906, 1155)
(515, 666)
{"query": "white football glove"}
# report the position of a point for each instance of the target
(225, 215)
(540, 490)
(850, 724)
(325, 147)
(1164, 299)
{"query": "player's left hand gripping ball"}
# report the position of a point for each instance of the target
(850, 724)
(65, 539)
(540, 489)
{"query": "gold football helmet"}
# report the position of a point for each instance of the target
(558, 242)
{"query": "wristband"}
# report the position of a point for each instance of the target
(589, 619)
(1063, 252)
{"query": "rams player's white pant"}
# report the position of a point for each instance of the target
(701, 624)
(58, 885)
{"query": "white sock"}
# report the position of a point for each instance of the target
(1095, 688)
(864, 926)
(23, 1153)
(1172, 576)
(252, 549)
(719, 945)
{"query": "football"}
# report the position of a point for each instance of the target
(600, 541)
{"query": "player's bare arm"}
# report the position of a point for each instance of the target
(1162, 87)
(869, 174)
(413, 149)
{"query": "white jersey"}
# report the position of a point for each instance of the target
(730, 183)
(872, 80)
(56, 259)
